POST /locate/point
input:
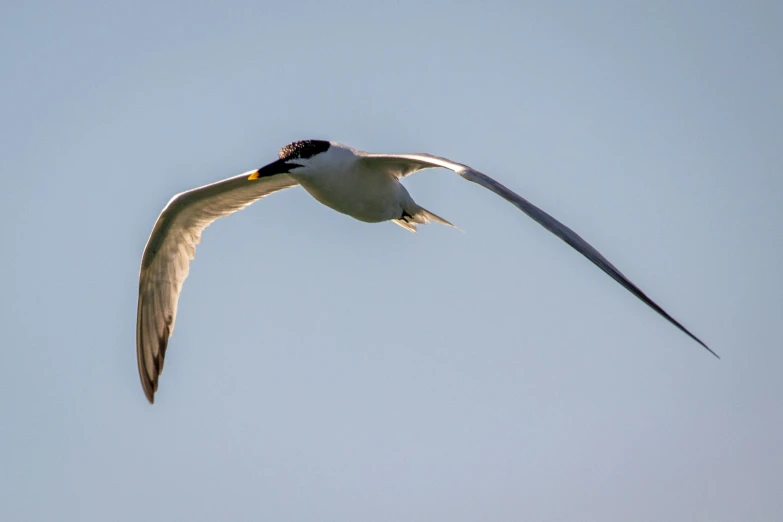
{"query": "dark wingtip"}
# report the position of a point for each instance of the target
(686, 331)
(708, 348)
(150, 386)
(149, 389)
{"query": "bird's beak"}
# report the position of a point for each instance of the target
(274, 168)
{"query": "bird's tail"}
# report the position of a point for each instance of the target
(420, 216)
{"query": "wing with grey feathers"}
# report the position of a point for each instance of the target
(166, 260)
(405, 164)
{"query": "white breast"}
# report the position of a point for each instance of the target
(349, 187)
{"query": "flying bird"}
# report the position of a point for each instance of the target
(362, 185)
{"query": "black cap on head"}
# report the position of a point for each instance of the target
(303, 149)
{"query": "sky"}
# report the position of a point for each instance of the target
(327, 369)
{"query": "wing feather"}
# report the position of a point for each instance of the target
(406, 164)
(166, 260)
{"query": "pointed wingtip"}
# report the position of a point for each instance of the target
(149, 394)
(710, 350)
(704, 345)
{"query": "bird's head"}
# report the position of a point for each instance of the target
(306, 158)
(298, 157)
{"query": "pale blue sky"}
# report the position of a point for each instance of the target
(326, 369)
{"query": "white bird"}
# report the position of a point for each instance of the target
(362, 185)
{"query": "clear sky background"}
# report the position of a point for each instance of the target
(327, 369)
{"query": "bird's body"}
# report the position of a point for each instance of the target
(344, 183)
(361, 185)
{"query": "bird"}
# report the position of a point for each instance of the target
(365, 186)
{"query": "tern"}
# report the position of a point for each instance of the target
(362, 185)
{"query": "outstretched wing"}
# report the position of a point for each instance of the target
(405, 164)
(166, 260)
